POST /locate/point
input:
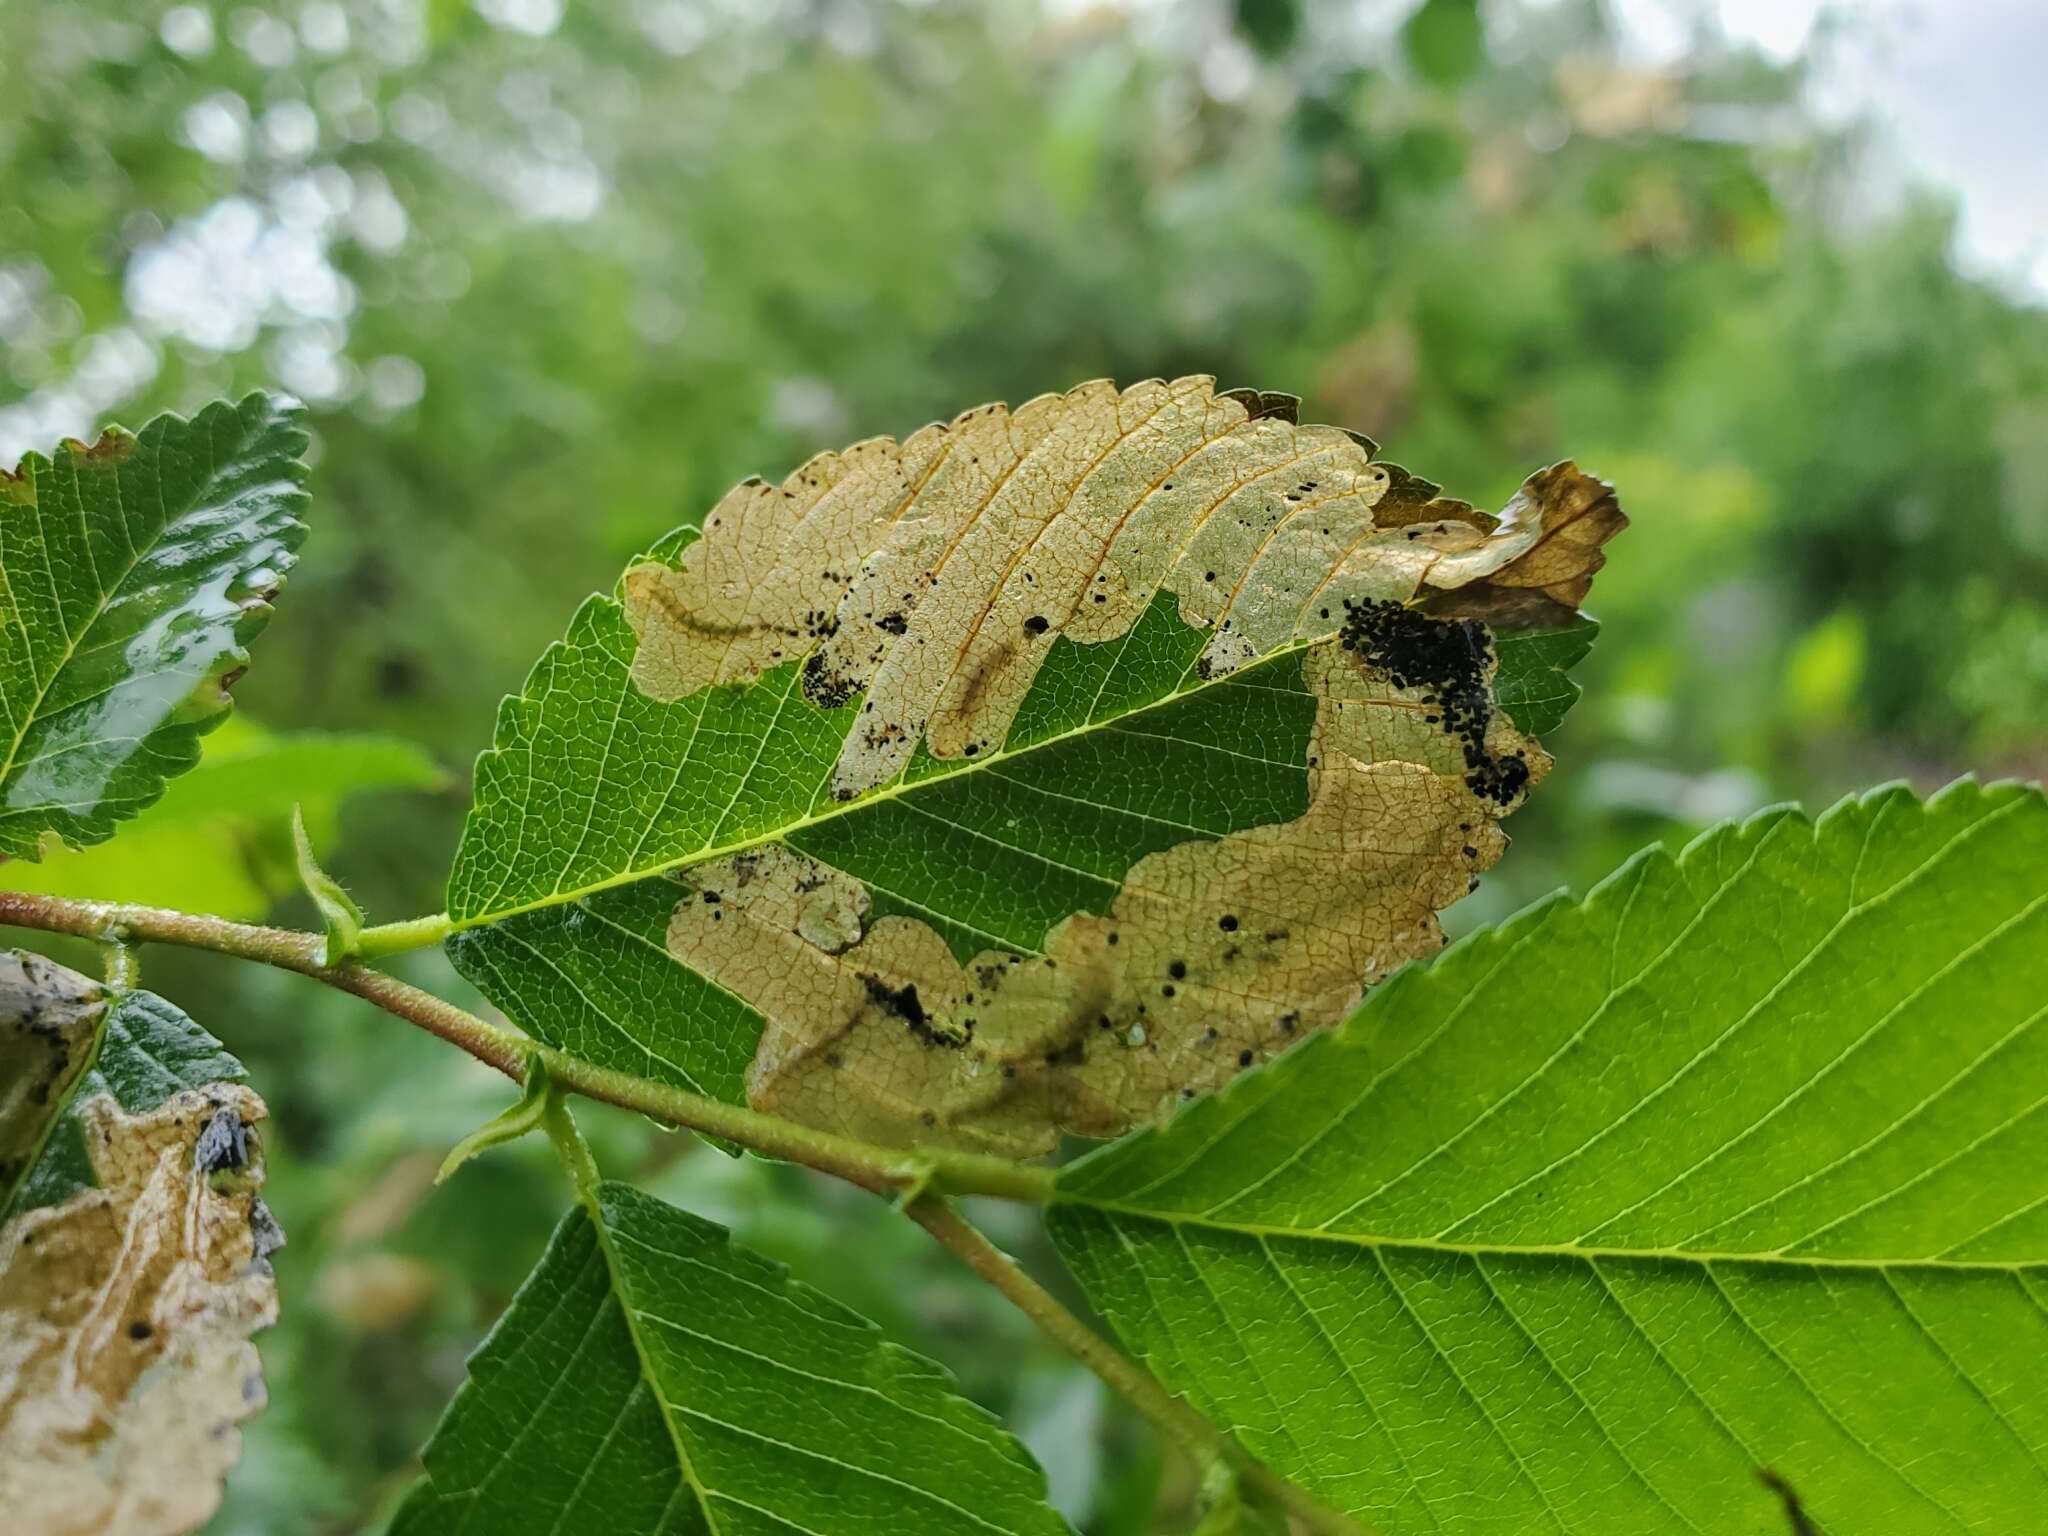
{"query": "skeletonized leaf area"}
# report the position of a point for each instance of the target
(132, 1260)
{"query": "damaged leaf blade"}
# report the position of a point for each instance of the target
(133, 574)
(1740, 1163)
(680, 1384)
(133, 1259)
(1031, 774)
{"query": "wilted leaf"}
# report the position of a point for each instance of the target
(132, 1260)
(651, 1378)
(1026, 775)
(132, 574)
(1739, 1164)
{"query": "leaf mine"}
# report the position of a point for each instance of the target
(1212, 956)
(125, 1317)
(1033, 774)
(937, 587)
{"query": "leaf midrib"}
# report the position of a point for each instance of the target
(1587, 1253)
(835, 810)
(593, 1212)
(635, 1318)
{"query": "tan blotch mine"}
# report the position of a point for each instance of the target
(125, 1317)
(1213, 955)
(933, 576)
(49, 1021)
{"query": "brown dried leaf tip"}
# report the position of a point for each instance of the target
(933, 578)
(125, 1318)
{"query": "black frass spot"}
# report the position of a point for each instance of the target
(824, 687)
(904, 1004)
(1447, 661)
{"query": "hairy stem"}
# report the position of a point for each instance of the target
(120, 923)
(882, 1169)
(1124, 1376)
(123, 968)
(396, 938)
(573, 1151)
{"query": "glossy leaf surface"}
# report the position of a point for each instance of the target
(132, 575)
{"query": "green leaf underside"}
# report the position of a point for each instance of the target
(595, 978)
(1120, 750)
(147, 1051)
(1740, 1162)
(1534, 686)
(652, 1378)
(132, 574)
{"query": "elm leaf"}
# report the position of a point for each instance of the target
(1730, 1178)
(133, 1262)
(1025, 776)
(652, 1378)
(1534, 685)
(133, 574)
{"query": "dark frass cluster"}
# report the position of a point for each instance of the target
(1451, 660)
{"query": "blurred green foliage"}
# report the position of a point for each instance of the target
(552, 277)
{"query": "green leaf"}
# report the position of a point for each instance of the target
(1740, 1163)
(772, 816)
(257, 774)
(1534, 684)
(340, 917)
(67, 1040)
(650, 1377)
(528, 1113)
(133, 1256)
(132, 575)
